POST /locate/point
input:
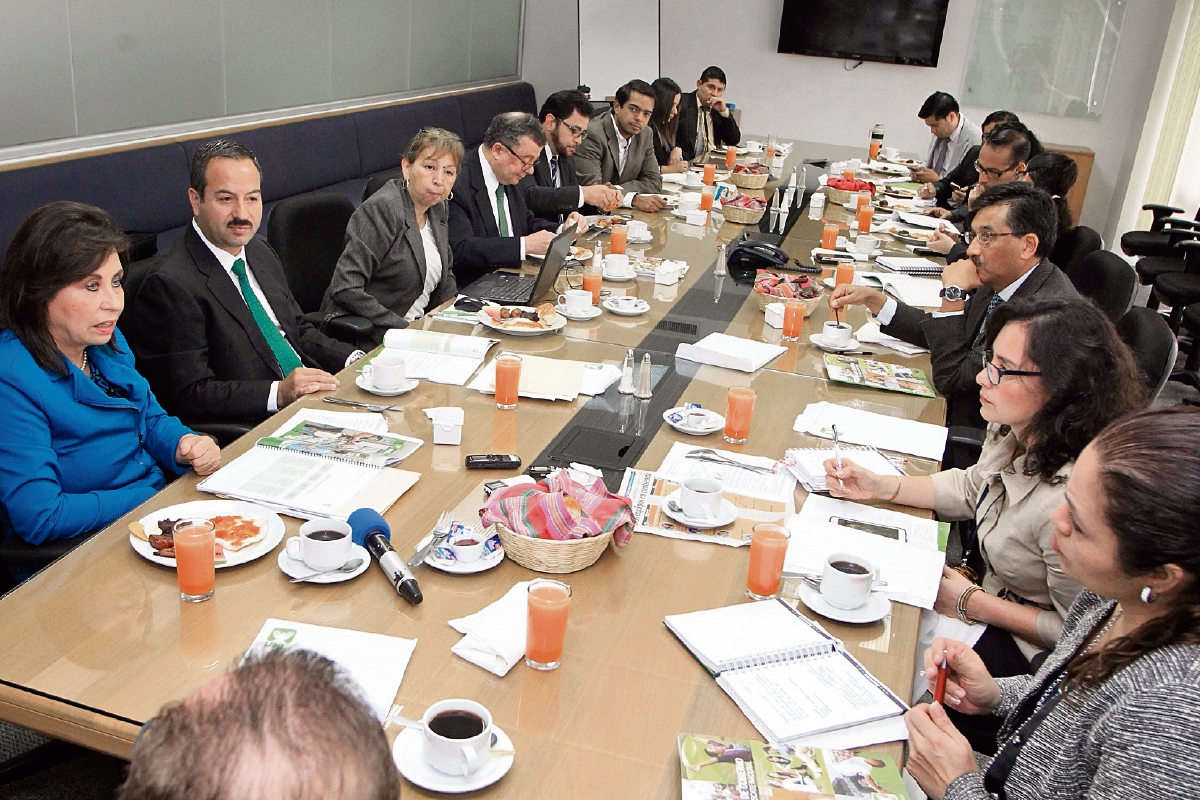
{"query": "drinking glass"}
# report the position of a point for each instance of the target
(844, 273)
(593, 279)
(706, 197)
(829, 236)
(710, 174)
(739, 409)
(508, 380)
(768, 548)
(549, 602)
(618, 236)
(793, 319)
(195, 559)
(730, 157)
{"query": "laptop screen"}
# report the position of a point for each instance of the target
(556, 256)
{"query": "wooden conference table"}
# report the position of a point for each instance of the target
(97, 643)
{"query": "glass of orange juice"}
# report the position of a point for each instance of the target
(864, 218)
(844, 273)
(730, 157)
(739, 408)
(593, 280)
(195, 559)
(768, 548)
(793, 319)
(864, 199)
(549, 602)
(508, 380)
(618, 236)
(710, 174)
(848, 174)
(829, 236)
(706, 197)
(770, 152)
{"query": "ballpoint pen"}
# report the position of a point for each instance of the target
(837, 455)
(939, 689)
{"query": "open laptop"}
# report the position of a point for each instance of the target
(515, 289)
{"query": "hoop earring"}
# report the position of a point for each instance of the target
(451, 197)
(406, 183)
(1148, 596)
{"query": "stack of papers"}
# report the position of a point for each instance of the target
(927, 533)
(438, 357)
(731, 352)
(541, 378)
(778, 486)
(877, 430)
(870, 333)
(807, 464)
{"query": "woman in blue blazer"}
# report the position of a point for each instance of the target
(82, 439)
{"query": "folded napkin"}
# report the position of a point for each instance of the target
(495, 635)
(673, 177)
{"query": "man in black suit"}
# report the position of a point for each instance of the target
(213, 325)
(490, 224)
(553, 190)
(1013, 230)
(704, 119)
(964, 173)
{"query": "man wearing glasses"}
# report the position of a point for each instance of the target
(1002, 158)
(553, 189)
(1012, 232)
(490, 224)
(619, 149)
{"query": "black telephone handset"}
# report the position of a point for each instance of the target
(752, 254)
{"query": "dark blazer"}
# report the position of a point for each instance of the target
(197, 343)
(474, 235)
(382, 269)
(949, 339)
(725, 129)
(599, 156)
(964, 174)
(546, 200)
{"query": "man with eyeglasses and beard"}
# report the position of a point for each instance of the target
(1012, 232)
(553, 190)
(491, 225)
(619, 149)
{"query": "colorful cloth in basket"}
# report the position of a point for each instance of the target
(561, 509)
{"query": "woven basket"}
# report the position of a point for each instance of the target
(552, 555)
(764, 300)
(840, 196)
(745, 181)
(742, 216)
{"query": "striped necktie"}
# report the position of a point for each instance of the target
(554, 172)
(995, 301)
(284, 354)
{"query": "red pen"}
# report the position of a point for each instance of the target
(939, 689)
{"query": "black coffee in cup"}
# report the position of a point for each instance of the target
(456, 724)
(849, 567)
(326, 536)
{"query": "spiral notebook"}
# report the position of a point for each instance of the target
(786, 673)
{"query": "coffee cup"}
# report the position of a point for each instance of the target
(637, 229)
(322, 544)
(385, 373)
(696, 419)
(701, 498)
(617, 264)
(847, 580)
(467, 546)
(693, 179)
(754, 147)
(458, 736)
(890, 153)
(576, 301)
(864, 245)
(837, 333)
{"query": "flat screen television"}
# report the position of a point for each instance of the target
(892, 31)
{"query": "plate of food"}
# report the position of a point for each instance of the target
(910, 235)
(577, 253)
(895, 191)
(604, 222)
(522, 320)
(245, 531)
(741, 151)
(888, 169)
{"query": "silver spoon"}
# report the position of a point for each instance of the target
(418, 725)
(349, 566)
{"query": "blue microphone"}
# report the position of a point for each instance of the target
(370, 530)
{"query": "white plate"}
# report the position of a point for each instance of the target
(298, 569)
(577, 252)
(409, 754)
(591, 313)
(486, 321)
(619, 277)
(829, 347)
(851, 248)
(726, 516)
(407, 386)
(741, 151)
(626, 306)
(442, 557)
(876, 608)
(886, 169)
(681, 214)
(713, 422)
(923, 242)
(647, 239)
(209, 509)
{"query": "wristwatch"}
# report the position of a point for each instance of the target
(953, 293)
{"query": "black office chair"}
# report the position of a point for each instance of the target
(1181, 289)
(376, 182)
(1107, 280)
(1150, 267)
(308, 232)
(18, 554)
(1153, 344)
(1190, 374)
(1153, 242)
(1073, 246)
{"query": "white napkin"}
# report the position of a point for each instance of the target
(495, 635)
(673, 177)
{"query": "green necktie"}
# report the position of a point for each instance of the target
(500, 211)
(284, 354)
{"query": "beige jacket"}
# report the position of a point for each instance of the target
(1015, 529)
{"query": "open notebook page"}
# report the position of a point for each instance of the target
(724, 637)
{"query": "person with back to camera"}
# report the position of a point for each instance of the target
(1056, 173)
(1054, 373)
(397, 263)
(1112, 712)
(72, 456)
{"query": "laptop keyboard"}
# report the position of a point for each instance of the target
(517, 290)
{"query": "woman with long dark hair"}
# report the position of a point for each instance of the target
(665, 122)
(1057, 173)
(1112, 711)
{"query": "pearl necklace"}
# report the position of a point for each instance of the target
(85, 362)
(1112, 620)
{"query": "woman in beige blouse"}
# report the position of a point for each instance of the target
(1055, 374)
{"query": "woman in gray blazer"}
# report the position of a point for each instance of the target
(397, 260)
(1112, 711)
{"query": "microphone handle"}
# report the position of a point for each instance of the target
(394, 567)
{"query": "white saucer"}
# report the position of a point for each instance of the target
(298, 569)
(683, 214)
(829, 347)
(591, 313)
(714, 422)
(409, 754)
(850, 248)
(876, 608)
(405, 387)
(609, 276)
(626, 306)
(727, 515)
(647, 239)
(437, 559)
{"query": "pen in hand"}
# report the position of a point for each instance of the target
(939, 688)
(837, 455)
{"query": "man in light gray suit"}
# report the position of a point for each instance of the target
(619, 149)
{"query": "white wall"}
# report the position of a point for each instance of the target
(550, 53)
(816, 99)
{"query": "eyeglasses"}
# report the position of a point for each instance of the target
(578, 133)
(986, 237)
(525, 164)
(994, 174)
(995, 373)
